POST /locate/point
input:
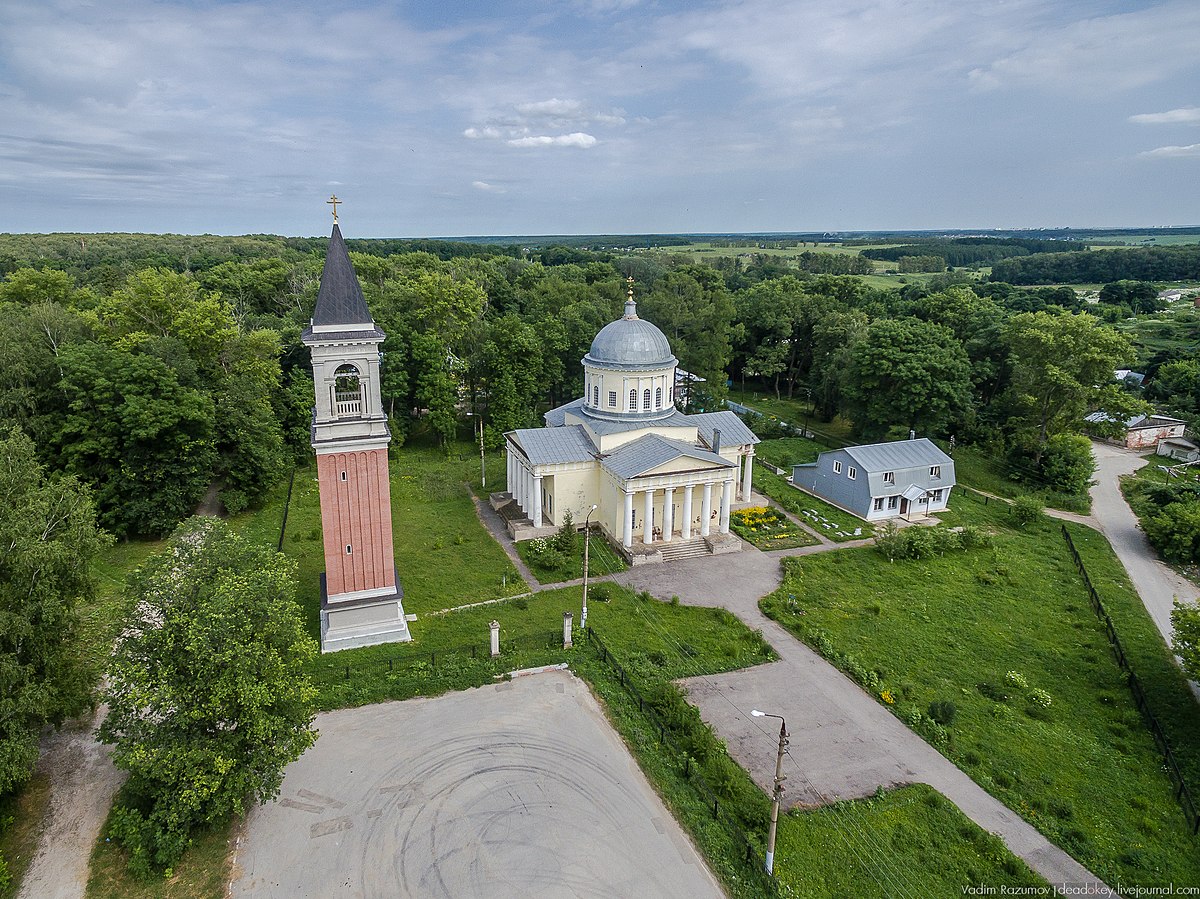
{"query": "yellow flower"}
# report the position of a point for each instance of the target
(887, 697)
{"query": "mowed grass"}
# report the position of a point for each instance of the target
(1084, 771)
(826, 519)
(911, 841)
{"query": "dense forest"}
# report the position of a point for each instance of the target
(1102, 266)
(155, 368)
(968, 250)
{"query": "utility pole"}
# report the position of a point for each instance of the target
(777, 793)
(587, 542)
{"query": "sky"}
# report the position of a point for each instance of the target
(441, 119)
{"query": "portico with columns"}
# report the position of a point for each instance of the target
(662, 481)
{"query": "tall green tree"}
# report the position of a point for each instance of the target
(142, 440)
(48, 538)
(910, 373)
(208, 700)
(1061, 366)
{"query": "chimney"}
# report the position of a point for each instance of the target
(716, 441)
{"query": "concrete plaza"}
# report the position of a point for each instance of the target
(521, 789)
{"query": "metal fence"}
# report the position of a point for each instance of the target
(750, 853)
(1182, 793)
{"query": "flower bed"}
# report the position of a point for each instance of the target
(768, 528)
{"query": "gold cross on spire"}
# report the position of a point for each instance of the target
(629, 281)
(333, 201)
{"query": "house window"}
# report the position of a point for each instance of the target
(646, 399)
(889, 477)
(348, 549)
(837, 467)
(936, 496)
(595, 396)
(878, 505)
(935, 471)
(612, 398)
(670, 394)
(893, 502)
(852, 472)
(657, 397)
(633, 401)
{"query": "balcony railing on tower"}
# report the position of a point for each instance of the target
(347, 403)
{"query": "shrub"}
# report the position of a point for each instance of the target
(1175, 532)
(1040, 698)
(566, 541)
(1028, 510)
(1067, 464)
(1016, 679)
(942, 711)
(601, 592)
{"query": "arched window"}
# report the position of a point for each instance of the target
(347, 392)
(596, 395)
(646, 399)
(657, 397)
(633, 400)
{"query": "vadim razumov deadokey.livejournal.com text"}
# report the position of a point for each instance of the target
(1086, 889)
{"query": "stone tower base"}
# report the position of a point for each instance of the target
(346, 624)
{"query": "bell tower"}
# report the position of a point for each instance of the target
(360, 589)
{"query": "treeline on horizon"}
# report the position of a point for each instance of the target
(155, 367)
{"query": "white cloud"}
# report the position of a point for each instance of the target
(1167, 152)
(1187, 115)
(575, 139)
(488, 188)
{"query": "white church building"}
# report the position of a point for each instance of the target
(663, 483)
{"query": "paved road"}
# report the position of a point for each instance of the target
(1155, 582)
(844, 744)
(519, 790)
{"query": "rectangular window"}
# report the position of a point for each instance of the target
(935, 471)
(893, 502)
(837, 467)
(878, 504)
(936, 496)
(852, 472)
(889, 477)
(348, 549)
(612, 398)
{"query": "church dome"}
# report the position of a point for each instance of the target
(630, 342)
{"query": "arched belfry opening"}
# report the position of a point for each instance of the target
(360, 589)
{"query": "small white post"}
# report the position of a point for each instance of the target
(495, 626)
(568, 623)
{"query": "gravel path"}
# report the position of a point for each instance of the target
(83, 782)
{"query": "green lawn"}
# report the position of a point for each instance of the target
(985, 629)
(21, 817)
(911, 841)
(828, 520)
(784, 452)
(553, 567)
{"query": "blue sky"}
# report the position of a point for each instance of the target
(589, 116)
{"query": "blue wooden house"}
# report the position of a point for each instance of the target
(907, 478)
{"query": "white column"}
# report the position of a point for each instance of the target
(508, 471)
(726, 498)
(537, 501)
(668, 513)
(685, 528)
(648, 522)
(705, 510)
(749, 466)
(523, 486)
(627, 525)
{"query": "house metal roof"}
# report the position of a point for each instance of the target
(897, 454)
(340, 300)
(647, 453)
(734, 431)
(549, 446)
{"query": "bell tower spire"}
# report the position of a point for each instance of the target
(360, 589)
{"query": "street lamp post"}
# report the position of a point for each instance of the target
(777, 793)
(587, 542)
(482, 464)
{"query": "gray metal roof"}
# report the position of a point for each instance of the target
(630, 342)
(548, 446)
(557, 416)
(649, 452)
(733, 430)
(897, 454)
(340, 300)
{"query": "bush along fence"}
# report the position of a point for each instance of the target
(1182, 793)
(753, 857)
